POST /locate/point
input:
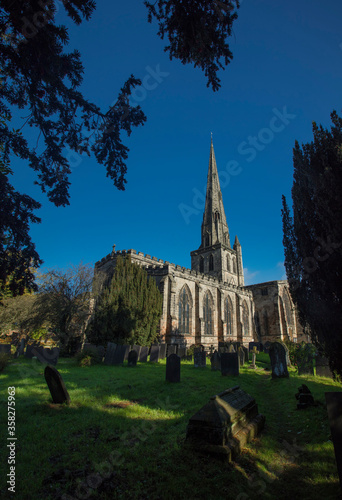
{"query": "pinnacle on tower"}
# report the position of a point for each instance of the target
(214, 226)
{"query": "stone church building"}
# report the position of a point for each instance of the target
(210, 302)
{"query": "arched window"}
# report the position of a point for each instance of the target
(228, 263)
(245, 320)
(234, 265)
(208, 314)
(211, 262)
(201, 264)
(228, 315)
(217, 216)
(184, 314)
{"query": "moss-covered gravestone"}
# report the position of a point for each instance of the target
(56, 385)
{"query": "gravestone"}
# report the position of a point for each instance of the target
(199, 358)
(51, 355)
(334, 409)
(241, 353)
(231, 348)
(56, 385)
(225, 424)
(322, 367)
(21, 348)
(267, 346)
(29, 350)
(120, 354)
(230, 363)
(173, 368)
(181, 352)
(137, 349)
(277, 355)
(132, 358)
(162, 354)
(143, 354)
(5, 348)
(246, 351)
(215, 360)
(171, 349)
(258, 345)
(254, 353)
(236, 346)
(110, 351)
(154, 353)
(304, 397)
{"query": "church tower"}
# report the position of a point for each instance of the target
(215, 255)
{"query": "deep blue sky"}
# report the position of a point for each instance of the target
(287, 59)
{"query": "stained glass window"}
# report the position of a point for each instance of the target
(208, 314)
(184, 311)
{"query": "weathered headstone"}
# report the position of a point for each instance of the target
(215, 360)
(277, 355)
(5, 348)
(322, 367)
(258, 345)
(267, 346)
(225, 424)
(143, 354)
(241, 353)
(246, 351)
(304, 397)
(132, 358)
(236, 346)
(120, 354)
(29, 350)
(162, 353)
(199, 358)
(171, 349)
(110, 351)
(137, 349)
(181, 352)
(154, 353)
(231, 348)
(21, 348)
(254, 353)
(334, 409)
(230, 363)
(173, 368)
(56, 385)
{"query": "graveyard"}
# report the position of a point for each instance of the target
(122, 434)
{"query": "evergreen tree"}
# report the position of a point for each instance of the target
(313, 238)
(128, 309)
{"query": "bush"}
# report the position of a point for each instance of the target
(4, 360)
(88, 357)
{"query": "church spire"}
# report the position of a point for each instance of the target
(214, 226)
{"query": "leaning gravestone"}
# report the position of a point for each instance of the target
(173, 368)
(277, 355)
(154, 353)
(199, 358)
(56, 385)
(143, 354)
(6, 348)
(132, 358)
(120, 354)
(334, 408)
(230, 363)
(215, 360)
(110, 351)
(162, 354)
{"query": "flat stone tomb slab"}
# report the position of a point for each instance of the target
(226, 423)
(56, 385)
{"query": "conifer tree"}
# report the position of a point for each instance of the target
(128, 309)
(313, 238)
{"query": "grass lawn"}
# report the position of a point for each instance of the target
(122, 436)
